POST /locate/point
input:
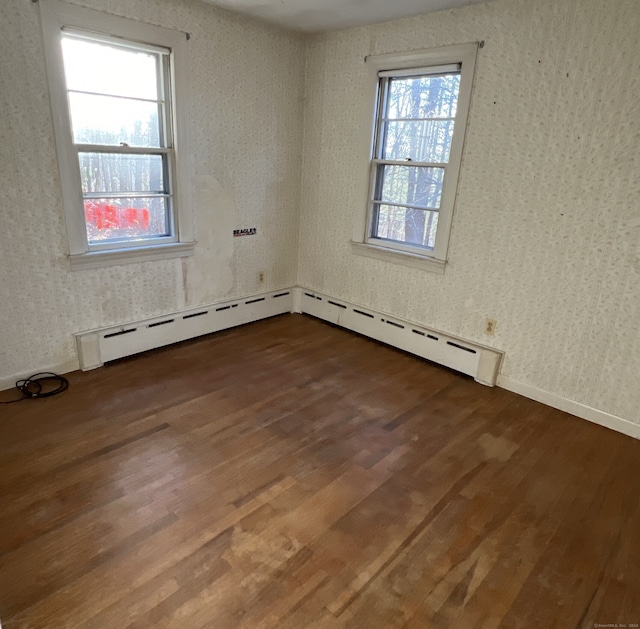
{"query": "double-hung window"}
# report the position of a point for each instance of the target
(420, 118)
(113, 94)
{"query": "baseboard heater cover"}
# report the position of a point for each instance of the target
(480, 362)
(96, 347)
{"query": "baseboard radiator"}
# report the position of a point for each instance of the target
(97, 347)
(480, 362)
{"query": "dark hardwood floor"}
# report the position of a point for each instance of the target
(291, 474)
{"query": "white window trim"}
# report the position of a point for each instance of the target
(55, 15)
(400, 253)
(404, 258)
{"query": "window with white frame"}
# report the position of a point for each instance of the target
(113, 90)
(420, 118)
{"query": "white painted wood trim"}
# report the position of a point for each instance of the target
(394, 256)
(464, 54)
(594, 415)
(56, 14)
(60, 368)
(97, 259)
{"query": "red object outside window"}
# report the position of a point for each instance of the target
(104, 216)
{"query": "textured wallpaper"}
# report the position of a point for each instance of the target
(546, 230)
(245, 111)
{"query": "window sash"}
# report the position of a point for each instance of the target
(165, 150)
(119, 42)
(165, 189)
(380, 176)
(167, 194)
(134, 98)
(438, 70)
(58, 17)
(428, 217)
(378, 163)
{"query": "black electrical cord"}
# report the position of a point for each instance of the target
(32, 387)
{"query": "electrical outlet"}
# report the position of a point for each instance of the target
(490, 326)
(261, 277)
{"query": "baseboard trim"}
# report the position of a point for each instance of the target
(92, 352)
(594, 415)
(9, 382)
(295, 303)
(572, 407)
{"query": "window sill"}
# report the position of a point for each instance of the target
(398, 257)
(99, 259)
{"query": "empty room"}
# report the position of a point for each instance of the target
(319, 314)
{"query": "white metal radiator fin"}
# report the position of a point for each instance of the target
(97, 347)
(478, 361)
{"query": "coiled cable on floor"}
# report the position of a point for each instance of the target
(39, 385)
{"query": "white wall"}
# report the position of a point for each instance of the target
(546, 233)
(246, 129)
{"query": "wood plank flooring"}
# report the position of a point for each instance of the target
(291, 474)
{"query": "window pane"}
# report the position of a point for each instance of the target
(410, 185)
(113, 121)
(424, 96)
(421, 141)
(108, 69)
(401, 224)
(126, 219)
(114, 172)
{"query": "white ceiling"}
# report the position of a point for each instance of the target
(325, 15)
